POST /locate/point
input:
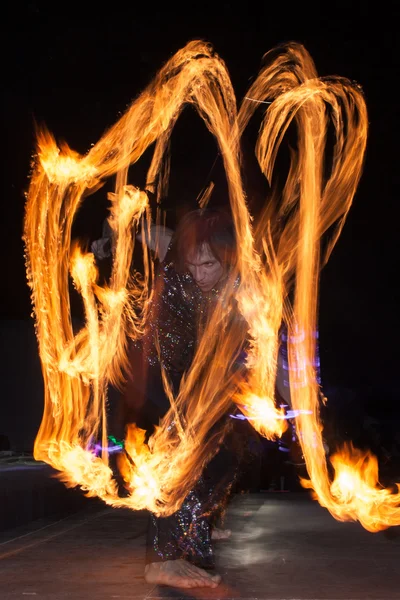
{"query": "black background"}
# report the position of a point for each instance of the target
(77, 66)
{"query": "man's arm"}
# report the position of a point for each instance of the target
(158, 240)
(102, 247)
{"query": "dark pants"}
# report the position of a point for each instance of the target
(187, 533)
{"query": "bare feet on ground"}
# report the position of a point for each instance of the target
(179, 573)
(220, 534)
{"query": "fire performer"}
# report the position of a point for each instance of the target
(193, 267)
(190, 281)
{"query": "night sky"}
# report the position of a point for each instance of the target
(77, 69)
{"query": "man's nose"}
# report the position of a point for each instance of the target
(199, 274)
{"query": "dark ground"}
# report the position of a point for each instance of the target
(284, 546)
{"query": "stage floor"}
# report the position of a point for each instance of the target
(283, 546)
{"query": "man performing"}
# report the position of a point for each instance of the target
(193, 267)
(187, 288)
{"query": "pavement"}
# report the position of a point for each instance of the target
(284, 546)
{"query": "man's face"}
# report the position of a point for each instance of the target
(205, 269)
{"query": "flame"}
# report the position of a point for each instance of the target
(278, 266)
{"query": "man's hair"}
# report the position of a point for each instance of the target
(210, 227)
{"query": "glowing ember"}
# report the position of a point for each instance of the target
(278, 265)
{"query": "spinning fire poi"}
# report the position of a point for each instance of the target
(278, 271)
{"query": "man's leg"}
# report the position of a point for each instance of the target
(179, 550)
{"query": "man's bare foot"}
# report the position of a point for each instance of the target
(220, 534)
(179, 573)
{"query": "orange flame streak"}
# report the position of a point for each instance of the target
(274, 266)
(356, 493)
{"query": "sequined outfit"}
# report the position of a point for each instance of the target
(185, 534)
(178, 308)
